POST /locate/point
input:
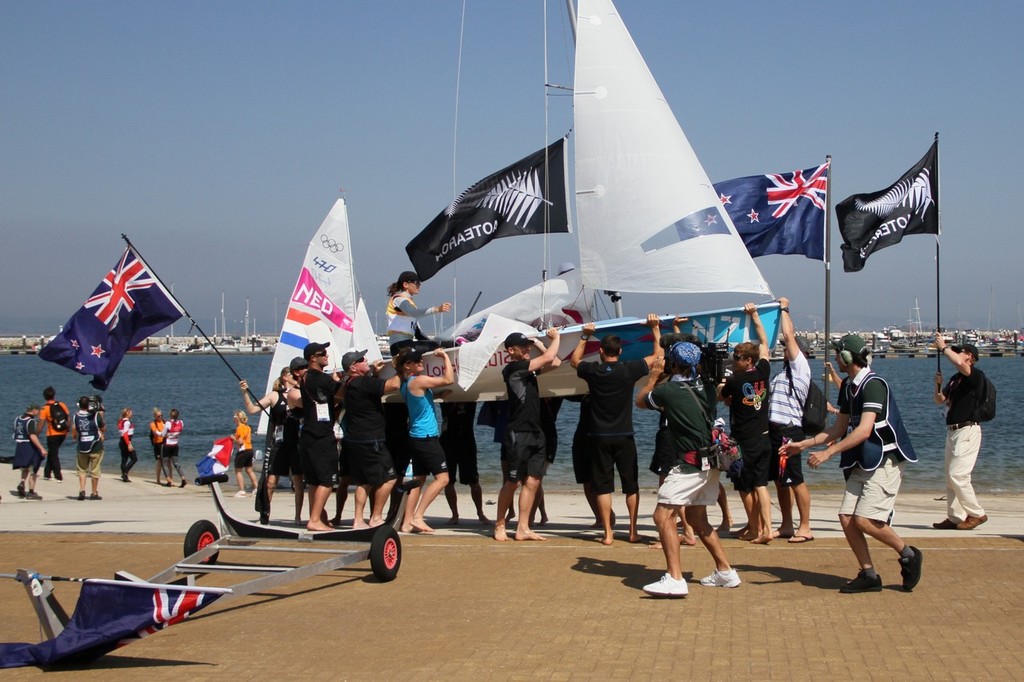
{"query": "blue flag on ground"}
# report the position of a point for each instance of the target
(779, 213)
(128, 306)
(111, 614)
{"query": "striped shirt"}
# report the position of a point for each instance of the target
(783, 408)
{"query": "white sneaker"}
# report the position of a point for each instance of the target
(240, 493)
(667, 587)
(728, 578)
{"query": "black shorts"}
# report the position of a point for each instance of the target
(370, 462)
(756, 459)
(319, 459)
(243, 459)
(461, 455)
(613, 453)
(664, 457)
(170, 451)
(582, 452)
(524, 451)
(158, 450)
(344, 462)
(427, 456)
(794, 471)
(284, 459)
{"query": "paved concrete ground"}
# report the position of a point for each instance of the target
(466, 607)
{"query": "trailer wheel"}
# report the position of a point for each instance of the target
(200, 535)
(385, 554)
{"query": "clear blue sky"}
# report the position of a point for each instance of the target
(217, 136)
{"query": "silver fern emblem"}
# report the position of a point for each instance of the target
(914, 194)
(516, 197)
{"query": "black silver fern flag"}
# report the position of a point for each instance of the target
(869, 222)
(527, 197)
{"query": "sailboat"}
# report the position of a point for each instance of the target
(649, 220)
(325, 305)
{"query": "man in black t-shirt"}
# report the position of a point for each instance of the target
(373, 472)
(318, 446)
(524, 433)
(611, 383)
(746, 394)
(961, 396)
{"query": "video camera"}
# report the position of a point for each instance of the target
(95, 403)
(714, 361)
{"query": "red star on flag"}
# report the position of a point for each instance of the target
(726, 198)
(753, 216)
(79, 366)
(710, 219)
(98, 351)
(74, 343)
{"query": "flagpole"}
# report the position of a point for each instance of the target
(828, 277)
(195, 324)
(938, 286)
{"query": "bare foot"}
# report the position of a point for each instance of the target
(596, 524)
(336, 521)
(376, 522)
(317, 527)
(499, 532)
(607, 540)
(761, 540)
(656, 544)
(523, 535)
(453, 521)
(724, 528)
(745, 535)
(359, 523)
(635, 538)
(689, 541)
(421, 527)
(783, 533)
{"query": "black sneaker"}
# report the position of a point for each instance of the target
(33, 495)
(910, 569)
(862, 583)
(81, 494)
(96, 496)
(21, 490)
(183, 482)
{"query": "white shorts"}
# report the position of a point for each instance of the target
(690, 490)
(872, 494)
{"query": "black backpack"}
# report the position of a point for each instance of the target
(986, 410)
(58, 417)
(815, 417)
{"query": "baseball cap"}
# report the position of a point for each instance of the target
(851, 342)
(298, 363)
(352, 357)
(408, 276)
(685, 354)
(967, 347)
(409, 355)
(517, 339)
(312, 349)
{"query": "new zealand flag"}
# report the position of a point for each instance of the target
(112, 614)
(779, 213)
(527, 197)
(128, 306)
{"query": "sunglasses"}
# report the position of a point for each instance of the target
(321, 354)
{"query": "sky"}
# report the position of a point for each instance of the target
(218, 135)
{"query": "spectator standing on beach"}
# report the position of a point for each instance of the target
(875, 447)
(523, 444)
(126, 431)
(156, 437)
(318, 446)
(746, 394)
(610, 383)
(402, 313)
(282, 433)
(424, 446)
(961, 397)
(692, 482)
(243, 453)
(785, 418)
(172, 441)
(365, 445)
(458, 440)
(88, 428)
(29, 452)
(57, 419)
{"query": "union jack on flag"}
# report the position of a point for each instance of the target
(779, 213)
(128, 306)
(114, 291)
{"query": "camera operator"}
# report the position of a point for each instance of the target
(88, 429)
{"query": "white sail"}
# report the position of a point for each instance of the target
(649, 218)
(323, 306)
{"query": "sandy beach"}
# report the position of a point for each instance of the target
(466, 607)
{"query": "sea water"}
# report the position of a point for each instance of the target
(206, 392)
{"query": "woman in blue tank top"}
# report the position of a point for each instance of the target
(427, 455)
